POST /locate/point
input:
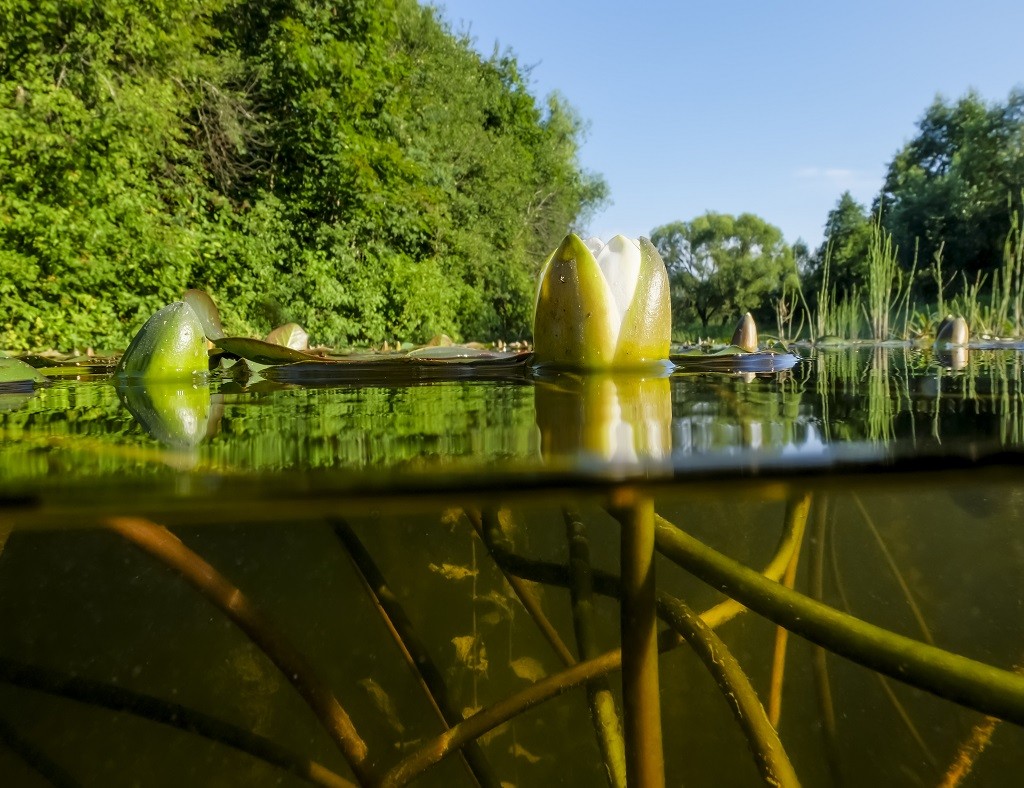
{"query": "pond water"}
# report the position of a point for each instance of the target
(263, 584)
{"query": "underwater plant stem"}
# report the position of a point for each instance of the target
(769, 754)
(781, 633)
(645, 761)
(489, 530)
(171, 551)
(962, 680)
(37, 760)
(413, 649)
(819, 656)
(969, 752)
(122, 700)
(599, 694)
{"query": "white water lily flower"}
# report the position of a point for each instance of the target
(602, 305)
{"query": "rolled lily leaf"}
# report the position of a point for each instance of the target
(602, 306)
(745, 335)
(207, 312)
(952, 332)
(170, 346)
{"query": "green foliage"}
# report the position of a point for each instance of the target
(845, 249)
(721, 266)
(350, 166)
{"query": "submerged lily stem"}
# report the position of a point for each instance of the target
(489, 530)
(769, 754)
(819, 656)
(38, 761)
(599, 694)
(413, 649)
(962, 680)
(171, 551)
(645, 760)
(884, 682)
(796, 510)
(123, 700)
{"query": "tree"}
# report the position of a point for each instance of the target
(721, 266)
(950, 187)
(352, 166)
(845, 248)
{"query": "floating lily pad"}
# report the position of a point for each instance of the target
(395, 368)
(259, 351)
(17, 375)
(734, 359)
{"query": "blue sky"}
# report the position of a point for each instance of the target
(769, 107)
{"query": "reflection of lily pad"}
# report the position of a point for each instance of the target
(259, 351)
(176, 413)
(733, 359)
(16, 374)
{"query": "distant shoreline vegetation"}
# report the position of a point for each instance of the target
(354, 167)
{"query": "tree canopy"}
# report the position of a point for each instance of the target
(721, 266)
(955, 185)
(352, 166)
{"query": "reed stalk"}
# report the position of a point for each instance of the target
(819, 656)
(38, 761)
(884, 280)
(172, 552)
(968, 682)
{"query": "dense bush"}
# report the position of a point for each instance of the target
(348, 164)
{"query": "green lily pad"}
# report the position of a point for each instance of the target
(206, 311)
(733, 359)
(259, 351)
(289, 335)
(16, 374)
(409, 368)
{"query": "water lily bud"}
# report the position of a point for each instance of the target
(602, 305)
(170, 345)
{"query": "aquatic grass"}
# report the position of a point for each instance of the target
(1008, 283)
(884, 280)
(34, 758)
(165, 547)
(968, 682)
(607, 724)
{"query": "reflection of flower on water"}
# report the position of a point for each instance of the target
(624, 419)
